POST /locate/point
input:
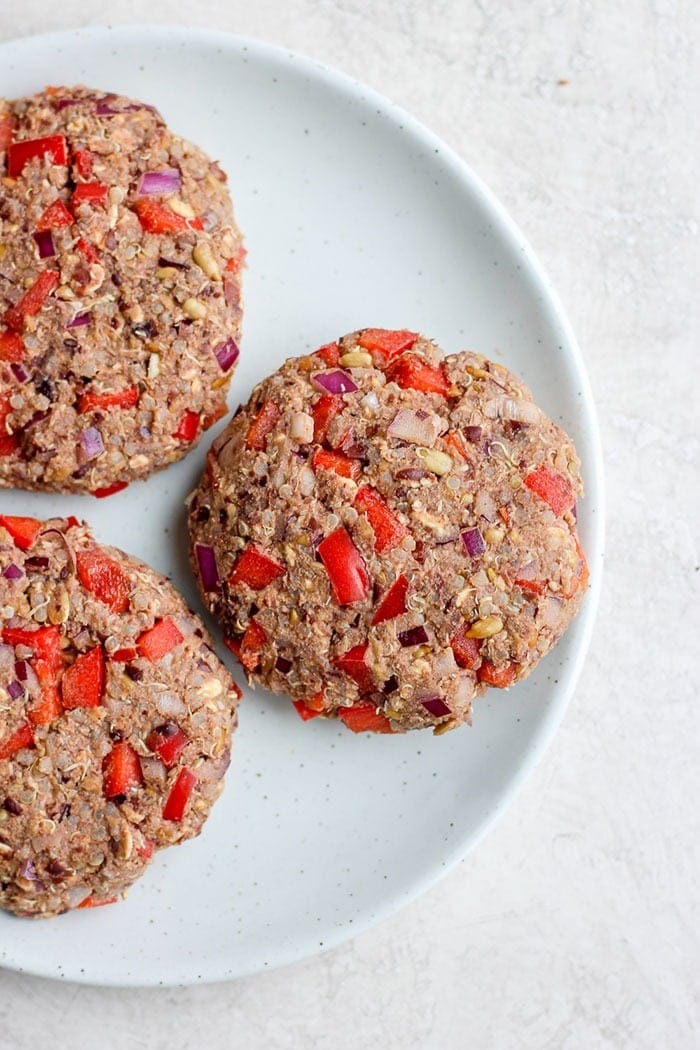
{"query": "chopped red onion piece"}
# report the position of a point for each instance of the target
(336, 382)
(19, 372)
(44, 242)
(206, 561)
(283, 665)
(413, 636)
(474, 542)
(15, 690)
(103, 109)
(21, 670)
(79, 320)
(472, 434)
(208, 219)
(61, 103)
(37, 563)
(91, 443)
(226, 354)
(435, 705)
(419, 428)
(157, 183)
(412, 474)
(13, 572)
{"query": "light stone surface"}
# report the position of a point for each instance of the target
(576, 923)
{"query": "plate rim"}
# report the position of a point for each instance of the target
(330, 77)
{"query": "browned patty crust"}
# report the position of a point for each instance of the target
(115, 718)
(120, 302)
(384, 532)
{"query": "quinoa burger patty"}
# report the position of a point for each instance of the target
(115, 718)
(119, 292)
(385, 532)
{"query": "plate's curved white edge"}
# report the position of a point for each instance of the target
(595, 545)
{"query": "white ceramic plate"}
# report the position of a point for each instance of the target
(354, 215)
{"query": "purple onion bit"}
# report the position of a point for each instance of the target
(36, 563)
(472, 434)
(435, 706)
(44, 242)
(79, 320)
(474, 542)
(206, 562)
(159, 183)
(413, 636)
(15, 690)
(21, 670)
(336, 382)
(283, 665)
(19, 372)
(91, 443)
(226, 354)
(13, 572)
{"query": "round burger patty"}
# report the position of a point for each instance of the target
(115, 718)
(119, 292)
(385, 532)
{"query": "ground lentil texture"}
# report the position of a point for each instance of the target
(385, 532)
(115, 718)
(120, 303)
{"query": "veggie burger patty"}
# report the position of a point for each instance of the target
(119, 292)
(385, 532)
(115, 718)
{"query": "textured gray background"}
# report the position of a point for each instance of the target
(575, 924)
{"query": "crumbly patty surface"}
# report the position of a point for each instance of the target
(119, 291)
(385, 532)
(115, 718)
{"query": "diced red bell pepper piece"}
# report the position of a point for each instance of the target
(32, 300)
(121, 770)
(388, 529)
(500, 677)
(329, 354)
(24, 531)
(466, 650)
(338, 463)
(188, 427)
(167, 742)
(55, 216)
(364, 718)
(393, 603)
(97, 902)
(304, 711)
(531, 586)
(72, 522)
(264, 422)
(156, 217)
(234, 264)
(123, 656)
(147, 850)
(553, 488)
(8, 124)
(255, 568)
(354, 664)
(346, 569)
(93, 399)
(11, 347)
(22, 737)
(9, 443)
(88, 250)
(47, 708)
(159, 640)
(20, 153)
(413, 373)
(385, 342)
(104, 578)
(251, 645)
(90, 193)
(110, 490)
(455, 442)
(83, 682)
(180, 792)
(324, 412)
(82, 159)
(44, 641)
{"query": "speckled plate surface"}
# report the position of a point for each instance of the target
(354, 215)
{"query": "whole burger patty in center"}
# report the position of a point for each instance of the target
(385, 532)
